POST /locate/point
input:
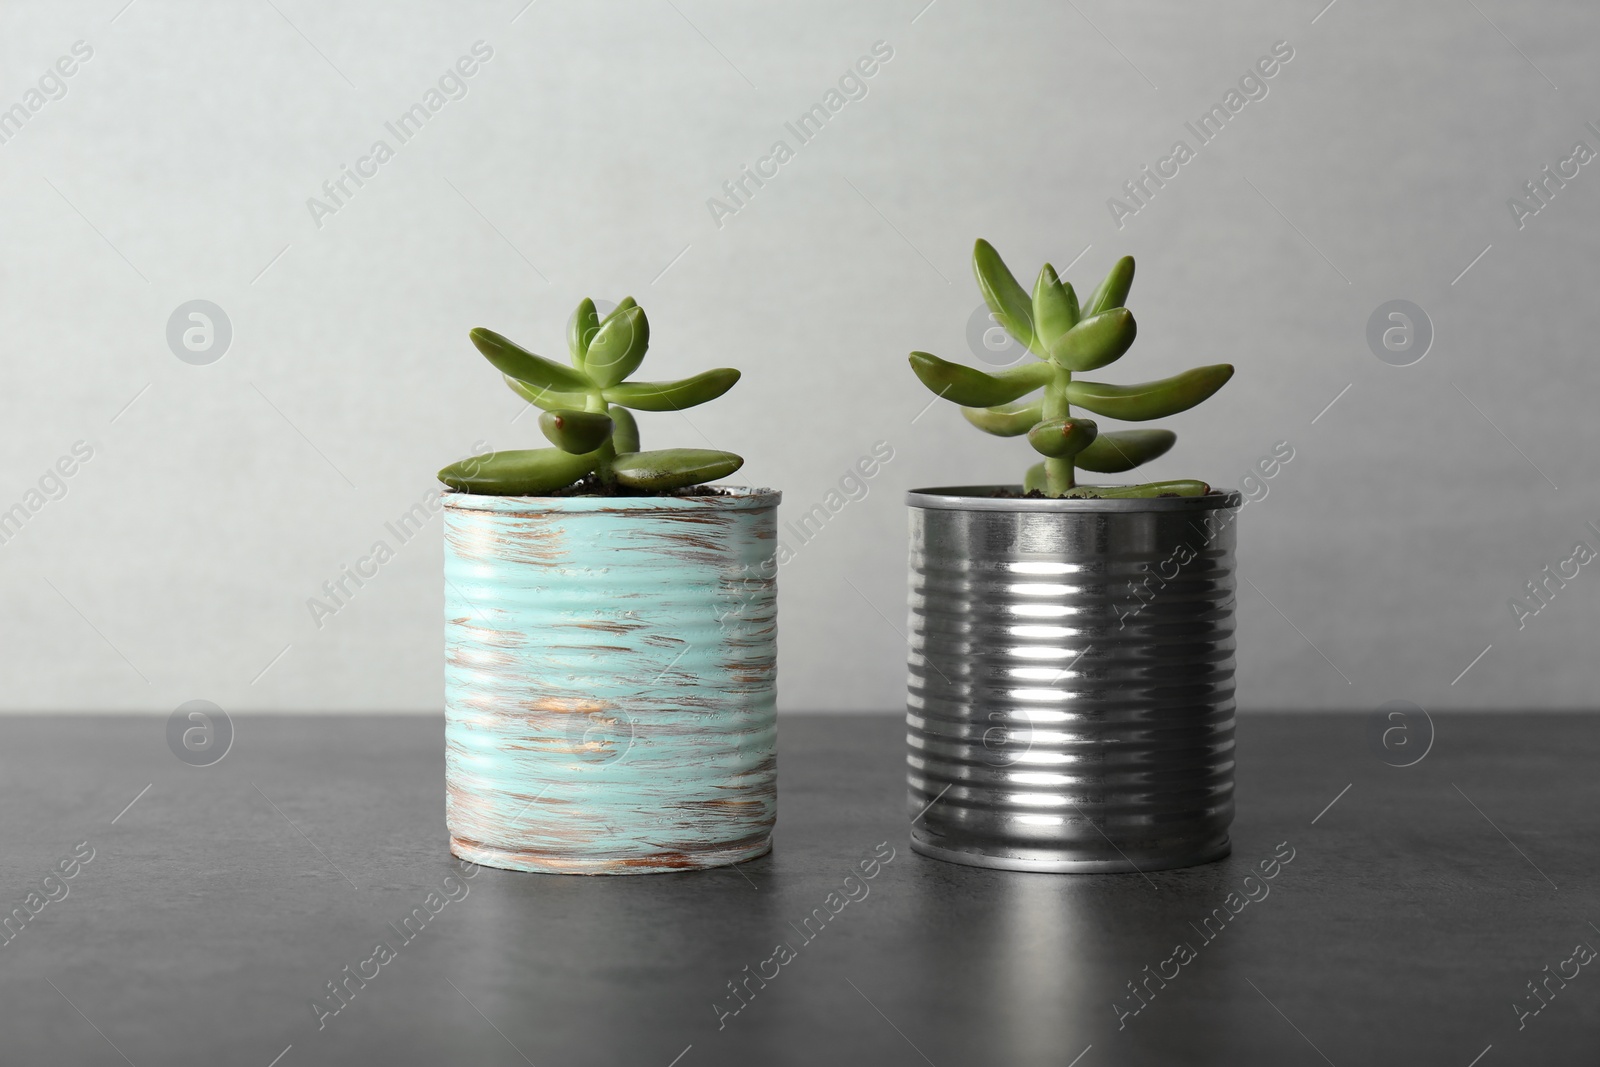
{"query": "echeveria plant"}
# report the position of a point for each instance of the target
(1069, 338)
(586, 415)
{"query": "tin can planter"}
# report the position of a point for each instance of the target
(1070, 701)
(610, 680)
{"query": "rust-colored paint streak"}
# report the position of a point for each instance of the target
(662, 641)
(466, 658)
(533, 539)
(702, 518)
(658, 859)
(724, 804)
(473, 633)
(748, 848)
(568, 705)
(620, 627)
(749, 841)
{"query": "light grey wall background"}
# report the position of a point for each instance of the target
(179, 161)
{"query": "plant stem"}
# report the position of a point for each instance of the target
(608, 451)
(1058, 472)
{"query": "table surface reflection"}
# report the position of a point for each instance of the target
(1430, 913)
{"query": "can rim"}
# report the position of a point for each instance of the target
(735, 498)
(982, 498)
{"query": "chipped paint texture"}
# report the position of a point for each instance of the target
(610, 680)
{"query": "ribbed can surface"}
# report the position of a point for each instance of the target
(610, 680)
(1070, 697)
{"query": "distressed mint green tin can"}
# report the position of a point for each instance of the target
(610, 680)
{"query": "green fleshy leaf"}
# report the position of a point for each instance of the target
(1055, 307)
(618, 347)
(1034, 479)
(625, 438)
(627, 302)
(584, 323)
(512, 359)
(1123, 450)
(521, 472)
(1007, 299)
(674, 468)
(975, 389)
(1006, 420)
(1095, 341)
(1113, 291)
(574, 431)
(1150, 400)
(1181, 487)
(1063, 437)
(548, 399)
(673, 396)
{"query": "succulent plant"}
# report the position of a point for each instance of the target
(586, 414)
(1069, 337)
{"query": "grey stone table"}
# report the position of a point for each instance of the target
(181, 915)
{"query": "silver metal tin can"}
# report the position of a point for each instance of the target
(1070, 700)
